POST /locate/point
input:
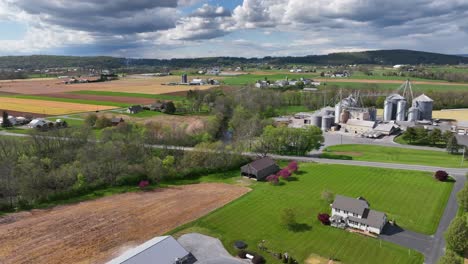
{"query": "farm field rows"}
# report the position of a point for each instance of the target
(96, 231)
(130, 95)
(129, 85)
(414, 199)
(397, 155)
(48, 107)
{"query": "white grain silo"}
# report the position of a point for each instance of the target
(401, 110)
(337, 112)
(413, 114)
(388, 108)
(424, 104)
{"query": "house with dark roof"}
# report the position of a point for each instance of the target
(117, 120)
(161, 250)
(134, 109)
(260, 169)
(356, 213)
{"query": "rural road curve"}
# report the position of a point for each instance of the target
(431, 246)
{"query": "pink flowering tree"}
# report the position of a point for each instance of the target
(324, 218)
(284, 173)
(273, 179)
(293, 166)
(143, 185)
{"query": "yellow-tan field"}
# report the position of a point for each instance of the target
(147, 85)
(47, 107)
(459, 115)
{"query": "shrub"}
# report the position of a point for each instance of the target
(284, 173)
(324, 218)
(450, 258)
(293, 166)
(441, 175)
(143, 185)
(288, 218)
(463, 198)
(273, 179)
(258, 259)
(457, 235)
(328, 196)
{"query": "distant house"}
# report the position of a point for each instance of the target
(117, 120)
(158, 106)
(160, 250)
(260, 169)
(38, 122)
(355, 213)
(134, 109)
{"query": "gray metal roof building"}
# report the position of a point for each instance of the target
(356, 206)
(160, 250)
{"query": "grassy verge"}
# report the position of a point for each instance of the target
(138, 95)
(413, 199)
(397, 155)
(69, 100)
(399, 139)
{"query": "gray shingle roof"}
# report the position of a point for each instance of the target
(371, 218)
(262, 163)
(352, 205)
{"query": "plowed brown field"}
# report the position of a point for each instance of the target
(99, 230)
(153, 85)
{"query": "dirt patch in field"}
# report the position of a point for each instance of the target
(116, 99)
(18, 113)
(316, 259)
(97, 231)
(153, 85)
(348, 153)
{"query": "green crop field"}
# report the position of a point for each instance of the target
(138, 95)
(414, 199)
(397, 155)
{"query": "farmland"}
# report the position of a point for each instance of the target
(96, 231)
(396, 155)
(154, 85)
(414, 199)
(48, 107)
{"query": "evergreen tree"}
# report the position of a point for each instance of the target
(6, 121)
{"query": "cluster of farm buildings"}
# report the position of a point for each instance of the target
(347, 116)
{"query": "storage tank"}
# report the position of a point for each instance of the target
(424, 104)
(327, 122)
(337, 112)
(344, 117)
(401, 110)
(413, 114)
(388, 108)
(316, 120)
(372, 114)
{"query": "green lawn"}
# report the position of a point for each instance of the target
(400, 140)
(414, 199)
(138, 95)
(146, 113)
(397, 155)
(69, 100)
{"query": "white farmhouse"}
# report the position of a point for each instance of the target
(355, 213)
(38, 122)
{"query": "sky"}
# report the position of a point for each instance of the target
(236, 28)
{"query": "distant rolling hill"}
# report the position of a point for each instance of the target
(378, 57)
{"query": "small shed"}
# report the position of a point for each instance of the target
(117, 120)
(260, 169)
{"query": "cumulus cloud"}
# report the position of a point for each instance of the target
(211, 11)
